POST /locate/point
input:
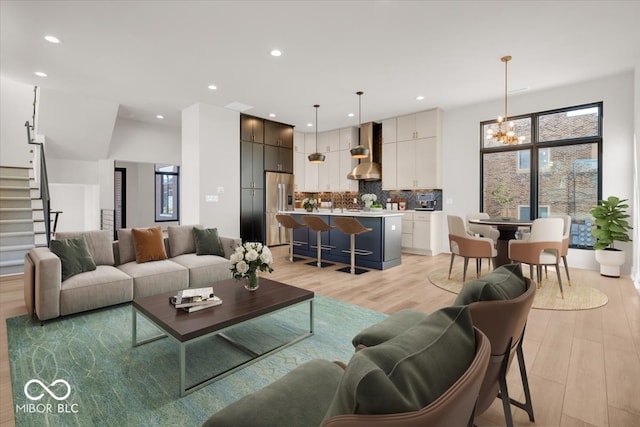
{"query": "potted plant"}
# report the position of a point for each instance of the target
(610, 226)
(504, 198)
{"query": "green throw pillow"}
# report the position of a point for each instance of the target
(409, 371)
(74, 256)
(504, 283)
(207, 241)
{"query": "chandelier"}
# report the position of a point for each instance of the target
(316, 157)
(359, 151)
(505, 134)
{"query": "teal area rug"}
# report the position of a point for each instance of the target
(87, 373)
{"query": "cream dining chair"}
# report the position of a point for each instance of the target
(463, 244)
(566, 235)
(542, 248)
(482, 230)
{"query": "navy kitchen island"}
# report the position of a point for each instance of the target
(384, 241)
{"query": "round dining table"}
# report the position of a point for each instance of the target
(507, 228)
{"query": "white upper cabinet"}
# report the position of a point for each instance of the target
(333, 141)
(310, 143)
(299, 160)
(389, 131)
(419, 125)
(389, 166)
(418, 152)
(348, 138)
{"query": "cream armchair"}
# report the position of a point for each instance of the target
(463, 244)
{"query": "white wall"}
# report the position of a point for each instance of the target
(461, 135)
(211, 167)
(140, 195)
(79, 204)
(15, 109)
(136, 141)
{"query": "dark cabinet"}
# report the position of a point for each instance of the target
(251, 128)
(252, 169)
(252, 215)
(278, 134)
(278, 159)
(256, 158)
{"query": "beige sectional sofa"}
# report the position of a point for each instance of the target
(118, 277)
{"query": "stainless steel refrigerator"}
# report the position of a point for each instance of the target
(279, 197)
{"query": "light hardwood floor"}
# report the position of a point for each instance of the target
(584, 366)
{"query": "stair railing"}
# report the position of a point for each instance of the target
(41, 172)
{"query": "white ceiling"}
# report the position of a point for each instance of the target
(157, 57)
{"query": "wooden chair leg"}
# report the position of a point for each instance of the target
(559, 279)
(566, 269)
(478, 267)
(464, 272)
(451, 264)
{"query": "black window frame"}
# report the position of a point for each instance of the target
(535, 146)
(158, 175)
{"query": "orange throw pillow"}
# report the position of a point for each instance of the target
(149, 244)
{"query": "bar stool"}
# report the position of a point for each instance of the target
(287, 221)
(318, 225)
(352, 226)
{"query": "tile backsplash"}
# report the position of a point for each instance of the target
(375, 187)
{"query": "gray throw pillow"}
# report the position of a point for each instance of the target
(409, 371)
(208, 242)
(181, 239)
(504, 283)
(74, 256)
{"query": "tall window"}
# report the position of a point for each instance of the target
(555, 170)
(167, 192)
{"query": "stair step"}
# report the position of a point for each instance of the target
(21, 198)
(15, 177)
(16, 234)
(11, 263)
(13, 187)
(16, 248)
(15, 209)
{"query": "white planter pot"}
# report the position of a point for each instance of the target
(610, 262)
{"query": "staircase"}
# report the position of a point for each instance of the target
(17, 235)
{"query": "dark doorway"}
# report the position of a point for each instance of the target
(120, 202)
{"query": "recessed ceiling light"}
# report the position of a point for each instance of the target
(52, 39)
(159, 116)
(212, 87)
(272, 115)
(309, 124)
(419, 98)
(40, 74)
(350, 115)
(275, 52)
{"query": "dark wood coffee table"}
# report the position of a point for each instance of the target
(239, 305)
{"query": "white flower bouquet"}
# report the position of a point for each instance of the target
(249, 258)
(309, 204)
(369, 197)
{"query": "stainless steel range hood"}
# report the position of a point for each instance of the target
(369, 169)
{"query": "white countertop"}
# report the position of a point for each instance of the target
(336, 212)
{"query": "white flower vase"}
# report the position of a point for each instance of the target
(252, 281)
(367, 205)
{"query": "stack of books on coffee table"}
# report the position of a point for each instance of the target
(195, 299)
